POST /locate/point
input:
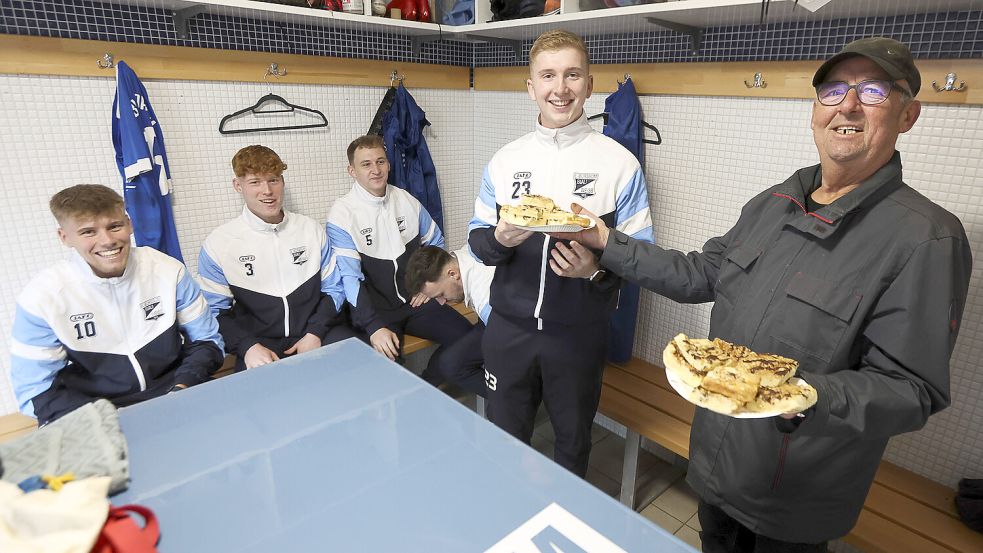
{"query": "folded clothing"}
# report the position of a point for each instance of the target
(86, 442)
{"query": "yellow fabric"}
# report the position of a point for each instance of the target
(45, 521)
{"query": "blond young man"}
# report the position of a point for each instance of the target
(374, 229)
(547, 335)
(115, 322)
(269, 274)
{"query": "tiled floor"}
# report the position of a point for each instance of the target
(662, 493)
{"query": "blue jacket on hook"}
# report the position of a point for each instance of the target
(624, 125)
(412, 168)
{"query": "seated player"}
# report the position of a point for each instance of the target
(269, 274)
(116, 322)
(374, 229)
(444, 277)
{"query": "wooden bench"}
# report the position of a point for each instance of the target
(904, 512)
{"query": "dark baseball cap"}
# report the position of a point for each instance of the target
(890, 55)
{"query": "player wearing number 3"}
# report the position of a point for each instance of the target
(269, 274)
(115, 322)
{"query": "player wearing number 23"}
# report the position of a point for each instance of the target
(115, 322)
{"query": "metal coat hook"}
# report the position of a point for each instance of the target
(106, 62)
(950, 84)
(394, 76)
(627, 76)
(757, 82)
(275, 70)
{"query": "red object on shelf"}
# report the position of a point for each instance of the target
(423, 10)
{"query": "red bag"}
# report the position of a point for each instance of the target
(121, 534)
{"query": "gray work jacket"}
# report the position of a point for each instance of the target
(866, 293)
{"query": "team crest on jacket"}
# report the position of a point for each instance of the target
(401, 223)
(299, 255)
(152, 309)
(583, 184)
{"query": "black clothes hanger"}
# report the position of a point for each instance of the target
(646, 124)
(287, 108)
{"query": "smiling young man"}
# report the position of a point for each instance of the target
(115, 322)
(844, 268)
(269, 274)
(455, 277)
(547, 334)
(374, 229)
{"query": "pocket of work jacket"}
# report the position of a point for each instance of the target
(817, 314)
(733, 275)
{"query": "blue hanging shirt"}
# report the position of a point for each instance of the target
(142, 164)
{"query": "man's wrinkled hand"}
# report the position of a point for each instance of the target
(574, 261)
(307, 343)
(419, 299)
(385, 342)
(595, 237)
(510, 235)
(259, 355)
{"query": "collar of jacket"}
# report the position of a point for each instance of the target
(85, 271)
(565, 136)
(825, 221)
(366, 196)
(257, 224)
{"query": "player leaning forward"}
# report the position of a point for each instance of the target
(547, 334)
(115, 322)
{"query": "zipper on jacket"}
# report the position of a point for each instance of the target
(137, 369)
(542, 283)
(781, 462)
(279, 276)
(395, 284)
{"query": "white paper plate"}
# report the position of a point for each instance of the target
(558, 228)
(690, 395)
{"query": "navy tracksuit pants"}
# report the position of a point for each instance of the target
(560, 366)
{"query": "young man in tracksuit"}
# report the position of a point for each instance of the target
(115, 322)
(374, 229)
(443, 277)
(269, 274)
(547, 334)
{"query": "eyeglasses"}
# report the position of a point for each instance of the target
(870, 93)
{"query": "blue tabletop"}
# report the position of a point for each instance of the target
(339, 450)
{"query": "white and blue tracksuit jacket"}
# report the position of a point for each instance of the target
(571, 164)
(266, 280)
(373, 239)
(78, 337)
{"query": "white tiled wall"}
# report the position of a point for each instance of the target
(55, 132)
(716, 154)
(719, 152)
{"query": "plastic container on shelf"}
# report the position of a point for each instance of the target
(352, 6)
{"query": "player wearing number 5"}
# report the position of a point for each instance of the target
(115, 322)
(374, 230)
(269, 274)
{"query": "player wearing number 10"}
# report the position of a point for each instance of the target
(115, 322)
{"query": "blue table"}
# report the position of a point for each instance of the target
(340, 450)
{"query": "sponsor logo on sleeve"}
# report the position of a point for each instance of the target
(583, 184)
(299, 255)
(152, 309)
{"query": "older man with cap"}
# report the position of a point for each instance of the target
(843, 267)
